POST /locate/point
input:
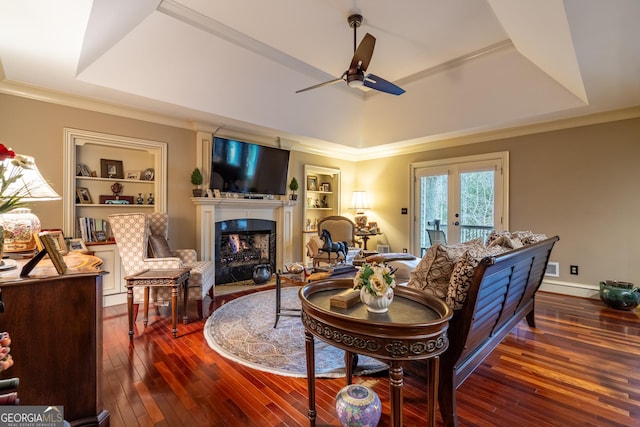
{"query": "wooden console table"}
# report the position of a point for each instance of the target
(55, 324)
(415, 327)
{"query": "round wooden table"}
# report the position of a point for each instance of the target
(415, 327)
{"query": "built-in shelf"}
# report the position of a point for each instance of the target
(136, 155)
(318, 202)
(134, 181)
(114, 206)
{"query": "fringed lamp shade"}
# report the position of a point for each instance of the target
(20, 224)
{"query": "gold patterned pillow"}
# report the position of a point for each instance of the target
(433, 273)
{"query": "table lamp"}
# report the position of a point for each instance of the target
(20, 224)
(359, 202)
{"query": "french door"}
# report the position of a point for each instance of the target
(465, 198)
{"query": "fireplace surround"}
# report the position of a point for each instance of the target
(210, 211)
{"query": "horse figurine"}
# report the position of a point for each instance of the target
(331, 246)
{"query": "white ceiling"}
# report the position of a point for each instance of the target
(468, 66)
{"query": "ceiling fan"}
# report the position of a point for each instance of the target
(355, 75)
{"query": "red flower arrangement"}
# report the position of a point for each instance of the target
(11, 167)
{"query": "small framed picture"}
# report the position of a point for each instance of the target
(132, 175)
(57, 238)
(148, 175)
(82, 170)
(51, 246)
(111, 169)
(373, 227)
(100, 236)
(312, 183)
(83, 196)
(77, 245)
(325, 186)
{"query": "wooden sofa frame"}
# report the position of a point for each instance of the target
(502, 293)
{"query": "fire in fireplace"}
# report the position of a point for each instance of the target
(241, 244)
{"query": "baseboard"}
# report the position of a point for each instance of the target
(114, 299)
(571, 288)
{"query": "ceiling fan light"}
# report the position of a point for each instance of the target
(355, 80)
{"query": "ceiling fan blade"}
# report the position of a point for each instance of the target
(363, 54)
(330, 82)
(378, 83)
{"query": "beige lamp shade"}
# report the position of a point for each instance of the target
(359, 202)
(20, 224)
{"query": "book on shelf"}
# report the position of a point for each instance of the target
(93, 229)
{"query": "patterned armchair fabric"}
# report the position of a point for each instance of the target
(132, 232)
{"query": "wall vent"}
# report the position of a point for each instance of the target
(553, 269)
(383, 249)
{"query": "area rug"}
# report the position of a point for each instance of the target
(242, 330)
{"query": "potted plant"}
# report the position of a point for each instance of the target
(293, 186)
(196, 179)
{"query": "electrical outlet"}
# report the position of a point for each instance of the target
(573, 269)
(404, 250)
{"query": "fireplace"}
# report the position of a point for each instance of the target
(210, 211)
(240, 245)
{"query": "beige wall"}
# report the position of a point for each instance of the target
(579, 183)
(36, 128)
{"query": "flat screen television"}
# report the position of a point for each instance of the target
(248, 168)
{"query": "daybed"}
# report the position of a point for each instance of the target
(491, 288)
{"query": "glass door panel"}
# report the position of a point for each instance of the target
(464, 198)
(477, 200)
(433, 196)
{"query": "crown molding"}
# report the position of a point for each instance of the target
(86, 103)
(320, 148)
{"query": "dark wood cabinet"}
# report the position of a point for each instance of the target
(55, 325)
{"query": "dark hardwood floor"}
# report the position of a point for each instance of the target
(579, 367)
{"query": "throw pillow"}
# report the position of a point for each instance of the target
(433, 273)
(507, 242)
(314, 245)
(403, 269)
(463, 273)
(494, 235)
(159, 247)
(529, 237)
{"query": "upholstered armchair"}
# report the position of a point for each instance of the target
(342, 229)
(142, 243)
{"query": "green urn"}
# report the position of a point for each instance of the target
(619, 295)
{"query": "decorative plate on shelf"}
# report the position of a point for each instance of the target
(147, 175)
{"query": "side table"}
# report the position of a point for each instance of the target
(296, 279)
(415, 327)
(365, 236)
(174, 278)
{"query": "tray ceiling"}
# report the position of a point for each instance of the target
(468, 66)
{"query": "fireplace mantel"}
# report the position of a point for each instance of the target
(211, 210)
